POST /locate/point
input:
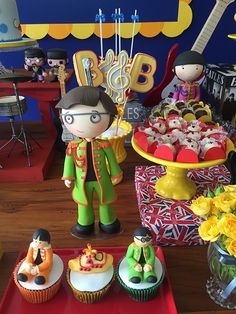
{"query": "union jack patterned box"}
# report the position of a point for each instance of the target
(172, 222)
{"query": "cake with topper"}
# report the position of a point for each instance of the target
(10, 30)
(140, 272)
(38, 276)
(90, 275)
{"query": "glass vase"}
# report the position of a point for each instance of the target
(221, 286)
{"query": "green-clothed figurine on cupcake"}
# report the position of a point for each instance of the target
(141, 257)
(140, 272)
(87, 112)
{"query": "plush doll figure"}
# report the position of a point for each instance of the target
(56, 58)
(87, 112)
(34, 61)
(39, 259)
(188, 67)
(141, 257)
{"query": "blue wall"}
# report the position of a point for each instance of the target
(220, 49)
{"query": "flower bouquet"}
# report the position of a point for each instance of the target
(218, 211)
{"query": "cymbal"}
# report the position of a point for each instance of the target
(15, 77)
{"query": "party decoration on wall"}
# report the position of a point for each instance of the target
(169, 81)
(10, 29)
(85, 30)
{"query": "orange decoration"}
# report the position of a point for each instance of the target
(59, 31)
(151, 29)
(108, 30)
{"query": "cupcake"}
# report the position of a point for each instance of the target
(140, 272)
(38, 276)
(90, 275)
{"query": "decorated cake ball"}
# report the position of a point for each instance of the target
(140, 272)
(38, 276)
(90, 275)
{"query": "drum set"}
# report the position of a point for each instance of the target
(12, 106)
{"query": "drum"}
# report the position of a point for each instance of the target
(9, 107)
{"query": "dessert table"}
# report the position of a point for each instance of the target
(48, 204)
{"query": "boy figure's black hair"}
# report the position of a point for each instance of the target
(42, 234)
(142, 232)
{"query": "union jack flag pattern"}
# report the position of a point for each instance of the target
(172, 222)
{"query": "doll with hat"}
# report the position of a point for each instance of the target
(34, 61)
(188, 67)
(56, 57)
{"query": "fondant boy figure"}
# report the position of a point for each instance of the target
(188, 67)
(34, 61)
(140, 257)
(56, 57)
(87, 112)
(39, 259)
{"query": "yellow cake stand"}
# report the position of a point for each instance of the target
(175, 184)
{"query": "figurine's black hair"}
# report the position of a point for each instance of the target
(88, 96)
(57, 53)
(189, 57)
(142, 232)
(34, 53)
(43, 235)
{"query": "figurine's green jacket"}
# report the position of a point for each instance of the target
(75, 168)
(134, 253)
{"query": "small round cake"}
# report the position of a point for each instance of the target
(90, 275)
(142, 291)
(140, 272)
(38, 276)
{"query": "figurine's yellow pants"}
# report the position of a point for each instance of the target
(86, 213)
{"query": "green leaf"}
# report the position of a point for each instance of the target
(210, 193)
(218, 190)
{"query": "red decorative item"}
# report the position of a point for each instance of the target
(117, 301)
(153, 97)
(165, 152)
(141, 139)
(187, 155)
(214, 153)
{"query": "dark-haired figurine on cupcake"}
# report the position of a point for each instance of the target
(141, 257)
(38, 276)
(140, 272)
(39, 259)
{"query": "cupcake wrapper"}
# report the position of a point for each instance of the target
(89, 297)
(36, 296)
(141, 295)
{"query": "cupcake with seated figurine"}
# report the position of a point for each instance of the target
(140, 272)
(90, 275)
(38, 276)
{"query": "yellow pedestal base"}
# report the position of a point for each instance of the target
(176, 185)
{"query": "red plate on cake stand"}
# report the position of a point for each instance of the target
(116, 301)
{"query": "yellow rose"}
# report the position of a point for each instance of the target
(231, 246)
(227, 225)
(225, 202)
(209, 230)
(230, 188)
(201, 206)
